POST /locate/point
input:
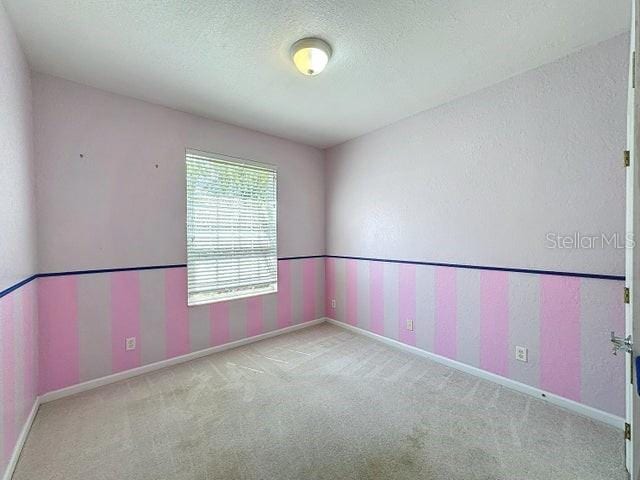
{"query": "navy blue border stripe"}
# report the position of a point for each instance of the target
(387, 260)
(483, 267)
(7, 291)
(110, 270)
(302, 257)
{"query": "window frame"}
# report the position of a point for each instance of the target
(213, 156)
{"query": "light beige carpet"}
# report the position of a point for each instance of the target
(319, 403)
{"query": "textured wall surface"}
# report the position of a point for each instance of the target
(122, 204)
(483, 179)
(19, 361)
(85, 319)
(18, 320)
(17, 209)
(478, 317)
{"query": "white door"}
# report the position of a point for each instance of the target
(632, 266)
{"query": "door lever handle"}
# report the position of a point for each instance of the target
(621, 344)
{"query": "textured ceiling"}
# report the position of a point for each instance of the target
(229, 60)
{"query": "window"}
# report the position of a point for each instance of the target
(231, 228)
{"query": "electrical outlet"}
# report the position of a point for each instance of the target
(333, 303)
(410, 324)
(130, 343)
(522, 354)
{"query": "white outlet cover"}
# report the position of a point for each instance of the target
(333, 303)
(410, 324)
(130, 343)
(522, 354)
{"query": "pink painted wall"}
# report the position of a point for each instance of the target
(122, 204)
(477, 317)
(19, 362)
(58, 339)
(85, 319)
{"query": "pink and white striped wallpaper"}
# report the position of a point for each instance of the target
(479, 316)
(85, 318)
(19, 360)
(61, 330)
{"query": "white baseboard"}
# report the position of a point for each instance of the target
(576, 407)
(13, 461)
(134, 372)
(571, 405)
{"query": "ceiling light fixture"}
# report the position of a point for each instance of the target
(310, 55)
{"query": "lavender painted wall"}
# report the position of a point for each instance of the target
(483, 179)
(18, 310)
(122, 203)
(17, 208)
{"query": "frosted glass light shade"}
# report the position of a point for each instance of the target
(310, 55)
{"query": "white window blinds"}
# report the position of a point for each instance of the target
(231, 228)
